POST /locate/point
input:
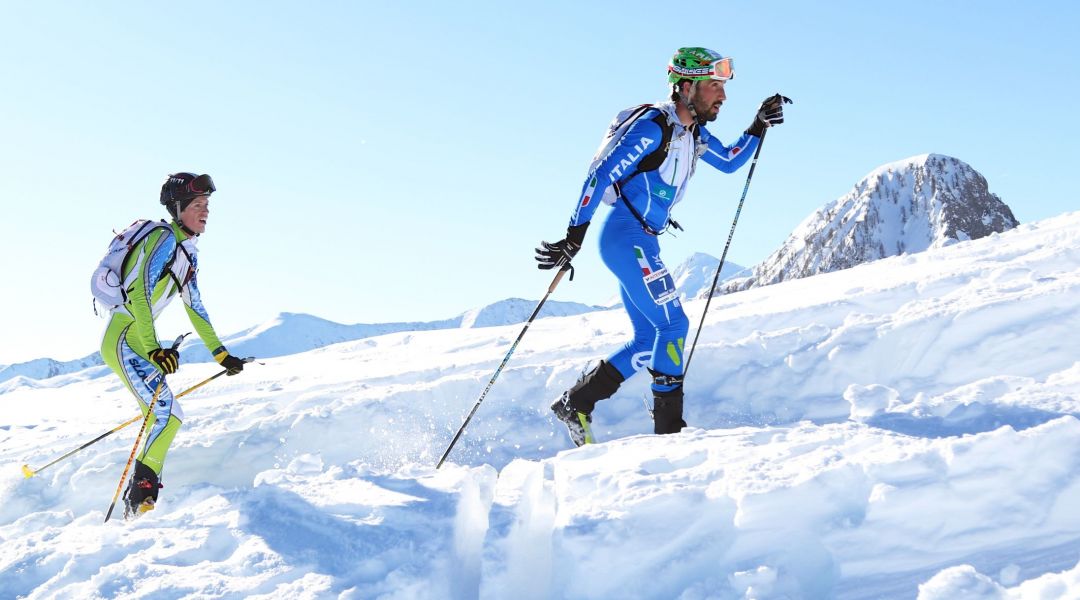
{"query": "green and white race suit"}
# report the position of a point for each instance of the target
(165, 264)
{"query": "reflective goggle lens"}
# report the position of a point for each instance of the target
(723, 69)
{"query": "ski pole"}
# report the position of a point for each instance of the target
(551, 288)
(135, 448)
(731, 234)
(28, 472)
(138, 438)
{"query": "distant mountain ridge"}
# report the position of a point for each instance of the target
(907, 206)
(291, 333)
(43, 368)
(694, 276)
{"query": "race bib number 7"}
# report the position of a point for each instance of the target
(661, 286)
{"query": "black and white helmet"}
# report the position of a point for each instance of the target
(181, 188)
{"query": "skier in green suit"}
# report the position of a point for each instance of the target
(160, 266)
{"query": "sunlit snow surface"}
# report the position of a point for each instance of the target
(906, 428)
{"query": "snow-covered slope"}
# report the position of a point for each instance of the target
(289, 333)
(907, 206)
(905, 428)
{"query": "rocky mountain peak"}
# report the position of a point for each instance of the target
(907, 206)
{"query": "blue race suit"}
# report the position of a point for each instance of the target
(630, 251)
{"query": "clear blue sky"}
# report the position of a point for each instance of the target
(399, 161)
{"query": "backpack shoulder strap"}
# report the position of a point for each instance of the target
(650, 162)
(144, 232)
(140, 233)
(191, 266)
(654, 159)
(635, 114)
(167, 271)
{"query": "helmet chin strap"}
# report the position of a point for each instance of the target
(183, 227)
(685, 98)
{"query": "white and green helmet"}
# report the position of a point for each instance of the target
(697, 64)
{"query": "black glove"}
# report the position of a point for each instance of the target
(771, 112)
(230, 362)
(167, 359)
(563, 251)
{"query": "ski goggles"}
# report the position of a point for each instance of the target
(722, 69)
(200, 186)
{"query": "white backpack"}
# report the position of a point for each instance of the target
(107, 284)
(618, 127)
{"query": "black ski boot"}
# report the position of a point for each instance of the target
(142, 491)
(667, 411)
(578, 424)
(574, 407)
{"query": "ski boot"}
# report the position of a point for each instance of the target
(667, 404)
(142, 492)
(574, 407)
(578, 424)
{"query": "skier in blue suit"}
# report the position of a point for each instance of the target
(641, 169)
